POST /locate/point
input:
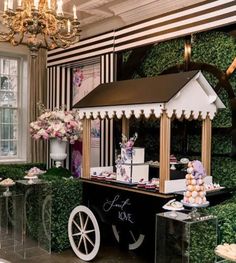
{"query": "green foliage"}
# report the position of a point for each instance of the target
(222, 144)
(226, 214)
(203, 240)
(224, 171)
(66, 195)
(17, 171)
(57, 172)
(220, 52)
(163, 56)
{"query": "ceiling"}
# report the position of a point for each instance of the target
(99, 16)
(105, 15)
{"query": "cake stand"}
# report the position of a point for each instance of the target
(7, 192)
(172, 165)
(194, 213)
(173, 210)
(31, 178)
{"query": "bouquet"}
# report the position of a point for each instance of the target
(61, 124)
(127, 145)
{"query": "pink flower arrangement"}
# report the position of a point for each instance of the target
(128, 145)
(60, 124)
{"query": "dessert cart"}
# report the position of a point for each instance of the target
(127, 208)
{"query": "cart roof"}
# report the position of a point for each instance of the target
(186, 93)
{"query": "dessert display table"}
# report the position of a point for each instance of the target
(184, 239)
(11, 207)
(35, 234)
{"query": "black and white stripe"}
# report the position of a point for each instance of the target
(199, 17)
(58, 95)
(108, 69)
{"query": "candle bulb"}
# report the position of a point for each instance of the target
(36, 4)
(74, 11)
(5, 5)
(10, 4)
(59, 7)
(19, 2)
(49, 4)
(68, 25)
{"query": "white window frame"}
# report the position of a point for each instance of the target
(21, 54)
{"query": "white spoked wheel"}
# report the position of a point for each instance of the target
(84, 233)
(135, 239)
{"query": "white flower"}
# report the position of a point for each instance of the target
(68, 118)
(64, 125)
(60, 115)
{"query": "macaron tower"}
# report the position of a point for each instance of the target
(195, 193)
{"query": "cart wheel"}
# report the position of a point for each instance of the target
(84, 233)
(135, 239)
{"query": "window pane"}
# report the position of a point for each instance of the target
(8, 116)
(9, 80)
(5, 146)
(13, 148)
(12, 83)
(5, 66)
(13, 67)
(4, 83)
(8, 99)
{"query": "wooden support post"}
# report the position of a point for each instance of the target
(86, 148)
(125, 126)
(165, 131)
(206, 144)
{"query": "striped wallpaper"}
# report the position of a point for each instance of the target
(199, 17)
(59, 93)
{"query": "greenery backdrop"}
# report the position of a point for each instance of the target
(215, 48)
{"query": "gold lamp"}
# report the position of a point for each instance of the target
(39, 23)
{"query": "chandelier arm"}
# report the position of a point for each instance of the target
(15, 42)
(48, 45)
(5, 37)
(39, 26)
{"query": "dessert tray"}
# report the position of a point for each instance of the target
(226, 251)
(184, 161)
(32, 174)
(196, 205)
(173, 206)
(31, 178)
(7, 183)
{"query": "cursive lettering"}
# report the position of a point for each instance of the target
(108, 205)
(123, 216)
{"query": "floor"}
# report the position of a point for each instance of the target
(109, 252)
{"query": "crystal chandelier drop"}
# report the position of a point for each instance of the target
(39, 23)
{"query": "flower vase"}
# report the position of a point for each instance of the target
(58, 151)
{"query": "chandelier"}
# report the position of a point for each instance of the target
(39, 23)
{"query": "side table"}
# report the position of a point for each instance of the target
(36, 235)
(184, 239)
(11, 219)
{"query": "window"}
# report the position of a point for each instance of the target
(13, 102)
